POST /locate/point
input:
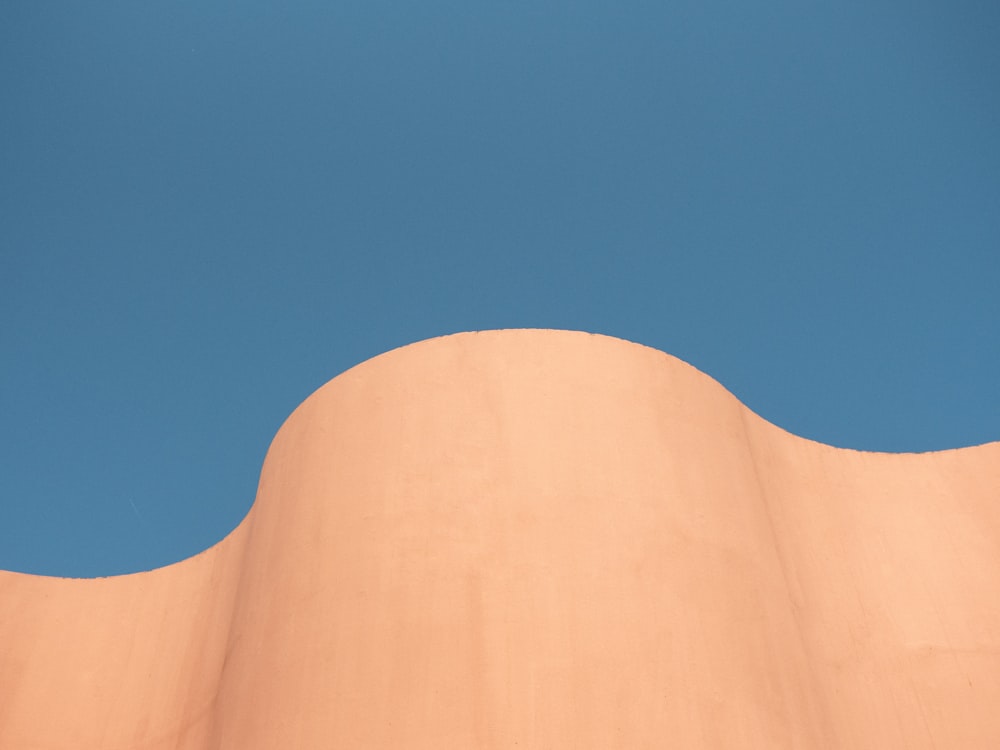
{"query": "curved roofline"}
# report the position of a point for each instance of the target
(435, 340)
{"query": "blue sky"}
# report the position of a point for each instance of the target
(209, 209)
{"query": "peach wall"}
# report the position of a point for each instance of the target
(539, 539)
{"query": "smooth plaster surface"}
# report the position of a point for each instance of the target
(539, 539)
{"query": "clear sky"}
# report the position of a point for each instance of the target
(207, 210)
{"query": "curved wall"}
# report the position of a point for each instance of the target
(539, 539)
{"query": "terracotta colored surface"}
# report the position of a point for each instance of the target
(536, 539)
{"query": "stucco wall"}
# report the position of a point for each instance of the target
(539, 539)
